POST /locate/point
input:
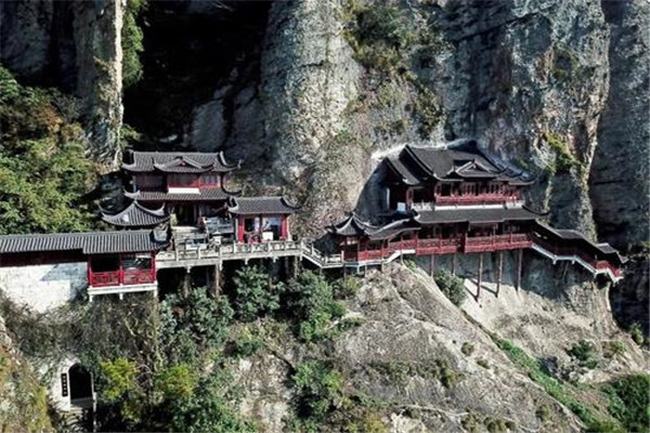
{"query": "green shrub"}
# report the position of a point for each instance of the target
(246, 343)
(544, 413)
(629, 401)
(585, 353)
(347, 287)
(451, 286)
(176, 381)
(379, 34)
(637, 333)
(193, 325)
(132, 42)
(310, 300)
(210, 410)
(254, 296)
(467, 348)
(119, 377)
(614, 349)
(319, 389)
(565, 160)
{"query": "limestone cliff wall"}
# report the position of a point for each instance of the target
(75, 46)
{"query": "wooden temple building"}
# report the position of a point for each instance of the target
(460, 200)
(180, 213)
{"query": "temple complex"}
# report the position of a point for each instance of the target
(180, 213)
(460, 200)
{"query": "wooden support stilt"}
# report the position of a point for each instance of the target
(453, 264)
(499, 272)
(432, 266)
(480, 275)
(187, 281)
(519, 266)
(217, 279)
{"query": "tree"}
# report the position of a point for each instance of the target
(451, 286)
(310, 299)
(43, 169)
(254, 295)
(193, 325)
(209, 410)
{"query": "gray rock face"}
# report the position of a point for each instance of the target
(619, 177)
(308, 79)
(77, 47)
(520, 71)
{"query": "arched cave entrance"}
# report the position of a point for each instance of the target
(81, 383)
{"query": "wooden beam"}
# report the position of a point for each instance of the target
(217, 280)
(519, 266)
(499, 272)
(187, 281)
(453, 264)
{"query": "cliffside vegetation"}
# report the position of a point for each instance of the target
(170, 365)
(44, 173)
(132, 42)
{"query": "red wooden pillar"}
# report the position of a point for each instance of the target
(121, 271)
(153, 266)
(284, 227)
(240, 229)
(89, 273)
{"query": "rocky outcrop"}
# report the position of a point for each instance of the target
(98, 43)
(75, 46)
(23, 401)
(619, 176)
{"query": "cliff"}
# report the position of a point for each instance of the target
(311, 94)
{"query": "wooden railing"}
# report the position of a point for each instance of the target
(474, 199)
(443, 246)
(101, 279)
(496, 242)
(576, 252)
(125, 277)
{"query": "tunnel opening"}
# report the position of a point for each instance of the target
(81, 383)
(191, 49)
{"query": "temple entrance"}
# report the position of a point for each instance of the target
(81, 384)
(186, 215)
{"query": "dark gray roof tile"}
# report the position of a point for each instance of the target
(127, 241)
(136, 215)
(260, 205)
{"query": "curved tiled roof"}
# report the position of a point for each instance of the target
(477, 215)
(461, 161)
(352, 225)
(136, 215)
(178, 162)
(260, 205)
(126, 241)
(203, 194)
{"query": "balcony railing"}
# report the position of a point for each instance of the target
(497, 242)
(127, 277)
(442, 246)
(474, 199)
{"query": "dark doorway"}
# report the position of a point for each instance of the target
(81, 385)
